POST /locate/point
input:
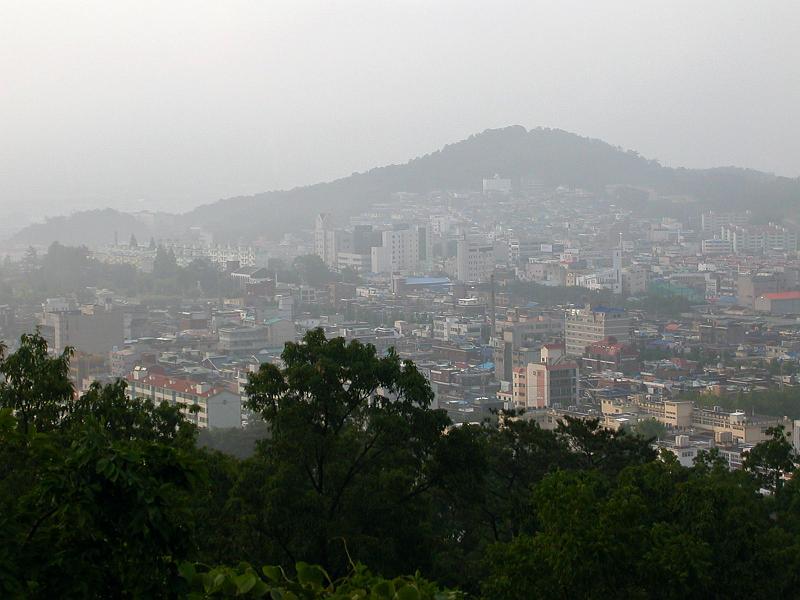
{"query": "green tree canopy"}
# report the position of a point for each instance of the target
(346, 460)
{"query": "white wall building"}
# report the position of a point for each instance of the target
(474, 259)
(401, 250)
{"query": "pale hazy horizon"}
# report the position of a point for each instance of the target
(150, 105)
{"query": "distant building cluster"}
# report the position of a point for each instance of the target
(550, 301)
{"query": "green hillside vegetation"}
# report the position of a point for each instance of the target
(102, 496)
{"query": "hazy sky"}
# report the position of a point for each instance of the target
(167, 104)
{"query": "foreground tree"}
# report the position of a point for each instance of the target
(351, 434)
(104, 496)
(35, 386)
(772, 460)
(94, 493)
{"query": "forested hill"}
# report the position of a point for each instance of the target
(550, 155)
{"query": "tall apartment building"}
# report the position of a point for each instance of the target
(401, 250)
(585, 326)
(517, 342)
(474, 259)
(325, 239)
(354, 247)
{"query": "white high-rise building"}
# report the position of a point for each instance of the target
(401, 250)
(474, 259)
(325, 239)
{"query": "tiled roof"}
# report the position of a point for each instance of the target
(183, 386)
(783, 296)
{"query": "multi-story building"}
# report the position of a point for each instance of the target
(279, 332)
(520, 250)
(609, 354)
(779, 303)
(751, 286)
(759, 239)
(496, 185)
(546, 273)
(351, 260)
(682, 415)
(92, 329)
(634, 279)
(474, 259)
(551, 381)
(205, 405)
(716, 245)
(456, 328)
(325, 239)
(712, 221)
(401, 250)
(517, 341)
(243, 340)
(589, 325)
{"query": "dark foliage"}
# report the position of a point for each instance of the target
(102, 496)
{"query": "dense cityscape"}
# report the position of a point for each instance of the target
(442, 300)
(549, 302)
(525, 310)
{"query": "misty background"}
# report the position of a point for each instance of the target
(151, 105)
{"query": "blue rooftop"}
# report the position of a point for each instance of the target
(427, 281)
(608, 309)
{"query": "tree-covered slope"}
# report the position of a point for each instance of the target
(552, 156)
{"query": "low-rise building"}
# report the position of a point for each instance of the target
(243, 340)
(205, 405)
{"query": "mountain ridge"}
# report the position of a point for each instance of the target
(553, 156)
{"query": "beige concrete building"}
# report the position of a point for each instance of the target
(586, 326)
(734, 426)
(92, 329)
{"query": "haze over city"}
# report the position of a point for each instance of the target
(153, 105)
(399, 300)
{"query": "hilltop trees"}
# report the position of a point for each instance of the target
(772, 460)
(345, 465)
(104, 496)
(94, 492)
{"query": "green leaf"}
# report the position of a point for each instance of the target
(408, 592)
(260, 589)
(384, 589)
(272, 573)
(245, 583)
(187, 571)
(310, 575)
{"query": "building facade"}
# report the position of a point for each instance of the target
(587, 325)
